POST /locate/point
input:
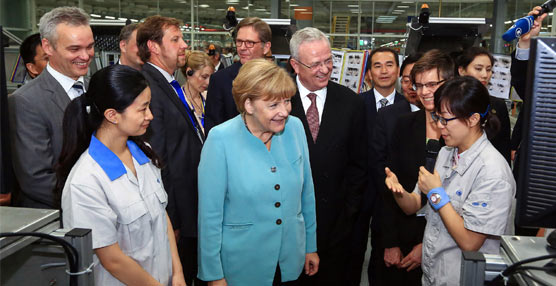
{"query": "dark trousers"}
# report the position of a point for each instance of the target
(278, 279)
(333, 267)
(380, 275)
(187, 249)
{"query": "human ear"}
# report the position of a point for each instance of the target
(249, 108)
(111, 115)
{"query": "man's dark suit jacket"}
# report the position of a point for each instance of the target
(175, 141)
(519, 82)
(220, 105)
(407, 153)
(501, 141)
(36, 115)
(339, 168)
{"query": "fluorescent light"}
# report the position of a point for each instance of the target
(232, 1)
(245, 8)
(300, 9)
(110, 17)
(353, 6)
(294, 5)
(508, 22)
(354, 11)
(403, 6)
(123, 19)
(134, 20)
(96, 15)
(204, 5)
(260, 9)
(401, 11)
(397, 12)
(220, 9)
(251, 4)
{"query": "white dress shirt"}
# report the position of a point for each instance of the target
(66, 82)
(321, 98)
(379, 96)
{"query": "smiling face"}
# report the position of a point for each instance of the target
(426, 94)
(199, 81)
(267, 115)
(384, 70)
(315, 53)
(136, 118)
(480, 68)
(73, 51)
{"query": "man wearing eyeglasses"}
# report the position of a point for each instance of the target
(252, 42)
(335, 127)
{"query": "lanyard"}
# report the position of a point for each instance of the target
(190, 113)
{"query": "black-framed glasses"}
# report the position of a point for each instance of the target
(443, 121)
(248, 44)
(327, 63)
(429, 85)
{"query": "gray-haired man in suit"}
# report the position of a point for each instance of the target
(38, 107)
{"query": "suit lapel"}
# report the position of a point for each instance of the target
(171, 94)
(51, 85)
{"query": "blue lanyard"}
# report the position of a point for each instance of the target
(190, 113)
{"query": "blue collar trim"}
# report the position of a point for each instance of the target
(109, 162)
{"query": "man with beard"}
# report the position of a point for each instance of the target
(175, 135)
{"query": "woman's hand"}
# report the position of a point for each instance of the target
(428, 181)
(311, 263)
(221, 282)
(392, 182)
(413, 258)
(178, 279)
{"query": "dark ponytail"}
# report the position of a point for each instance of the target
(465, 96)
(114, 87)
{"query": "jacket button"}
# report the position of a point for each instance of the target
(277, 187)
(278, 221)
(277, 204)
(273, 169)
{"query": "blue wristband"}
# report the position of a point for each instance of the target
(438, 198)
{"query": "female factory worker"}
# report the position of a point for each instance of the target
(478, 63)
(197, 70)
(114, 186)
(470, 193)
(257, 223)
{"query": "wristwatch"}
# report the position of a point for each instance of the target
(435, 198)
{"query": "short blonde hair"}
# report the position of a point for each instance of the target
(261, 79)
(196, 60)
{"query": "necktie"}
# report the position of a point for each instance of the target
(313, 116)
(383, 102)
(78, 87)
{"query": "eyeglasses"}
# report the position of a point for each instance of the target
(248, 44)
(327, 63)
(429, 85)
(443, 121)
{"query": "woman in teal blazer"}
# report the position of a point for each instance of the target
(257, 223)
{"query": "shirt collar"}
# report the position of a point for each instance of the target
(303, 92)
(467, 157)
(414, 107)
(379, 96)
(65, 81)
(166, 75)
(109, 162)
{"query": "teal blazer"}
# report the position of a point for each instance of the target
(256, 207)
